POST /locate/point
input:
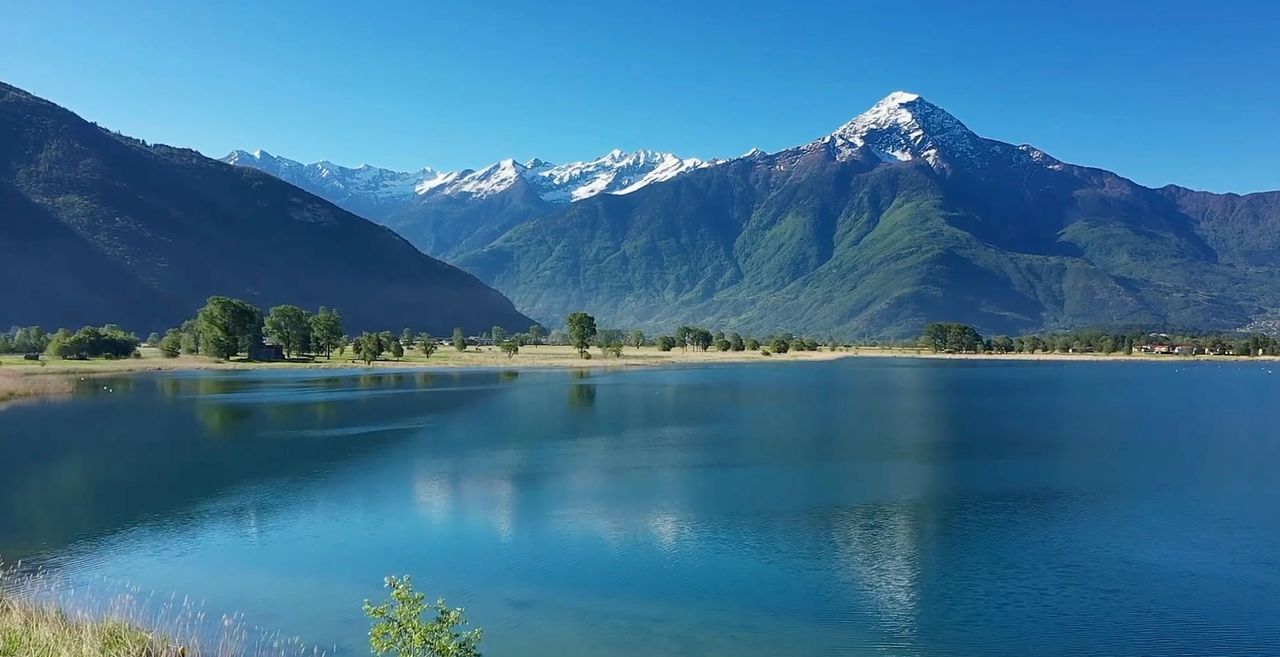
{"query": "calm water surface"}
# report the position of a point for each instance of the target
(857, 507)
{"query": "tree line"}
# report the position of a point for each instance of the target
(225, 328)
(961, 338)
(109, 341)
(581, 332)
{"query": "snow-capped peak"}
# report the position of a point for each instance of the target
(375, 191)
(615, 172)
(903, 126)
(370, 187)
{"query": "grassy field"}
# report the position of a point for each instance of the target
(23, 378)
(541, 356)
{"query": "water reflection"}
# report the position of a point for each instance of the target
(843, 508)
(132, 447)
(582, 395)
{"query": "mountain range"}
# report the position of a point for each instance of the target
(97, 227)
(899, 217)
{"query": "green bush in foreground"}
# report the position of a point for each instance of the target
(399, 628)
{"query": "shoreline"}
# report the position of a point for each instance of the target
(26, 380)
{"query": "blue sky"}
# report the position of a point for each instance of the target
(1161, 92)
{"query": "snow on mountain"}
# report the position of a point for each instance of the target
(903, 126)
(373, 183)
(616, 172)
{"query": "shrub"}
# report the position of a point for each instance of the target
(400, 629)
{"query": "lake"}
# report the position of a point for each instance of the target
(863, 506)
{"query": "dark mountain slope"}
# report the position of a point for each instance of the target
(98, 228)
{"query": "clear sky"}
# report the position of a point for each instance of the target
(1180, 92)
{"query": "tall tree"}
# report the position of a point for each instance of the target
(636, 339)
(30, 340)
(326, 331)
(290, 327)
(536, 334)
(684, 337)
(171, 344)
(190, 337)
(228, 326)
(459, 340)
(581, 328)
(427, 345)
(702, 338)
(497, 334)
(368, 347)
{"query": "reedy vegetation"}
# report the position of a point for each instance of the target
(43, 616)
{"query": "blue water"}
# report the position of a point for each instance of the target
(855, 507)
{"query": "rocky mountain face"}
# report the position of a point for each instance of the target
(900, 217)
(97, 227)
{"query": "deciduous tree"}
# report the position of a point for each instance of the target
(581, 328)
(228, 326)
(326, 331)
(290, 327)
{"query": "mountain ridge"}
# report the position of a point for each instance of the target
(99, 227)
(385, 192)
(900, 216)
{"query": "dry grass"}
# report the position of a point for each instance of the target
(19, 384)
(41, 616)
(31, 630)
(475, 357)
(21, 378)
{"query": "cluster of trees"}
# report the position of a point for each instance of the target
(108, 341)
(701, 339)
(24, 340)
(951, 337)
(961, 338)
(226, 327)
(581, 332)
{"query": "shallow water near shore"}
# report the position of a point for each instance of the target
(848, 507)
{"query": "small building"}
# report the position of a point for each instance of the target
(264, 351)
